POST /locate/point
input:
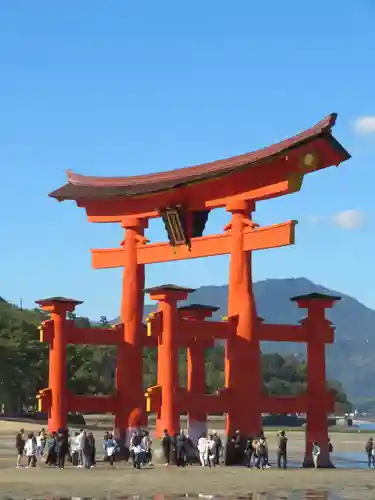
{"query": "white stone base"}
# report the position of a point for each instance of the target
(195, 430)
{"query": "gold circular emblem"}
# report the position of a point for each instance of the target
(309, 161)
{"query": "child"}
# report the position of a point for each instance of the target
(315, 454)
(30, 450)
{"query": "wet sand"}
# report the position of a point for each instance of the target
(42, 482)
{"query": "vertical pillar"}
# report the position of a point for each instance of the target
(168, 379)
(196, 374)
(319, 398)
(129, 376)
(243, 358)
(58, 307)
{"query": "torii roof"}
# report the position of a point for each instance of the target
(81, 187)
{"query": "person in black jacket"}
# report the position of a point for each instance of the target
(20, 446)
(166, 447)
(91, 439)
(282, 450)
(62, 447)
(238, 448)
(249, 452)
(87, 451)
(369, 450)
(173, 457)
(218, 447)
(181, 449)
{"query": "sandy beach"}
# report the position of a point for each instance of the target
(348, 481)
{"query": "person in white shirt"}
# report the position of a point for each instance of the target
(30, 450)
(79, 442)
(73, 445)
(203, 450)
(40, 441)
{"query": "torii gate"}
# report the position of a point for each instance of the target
(184, 198)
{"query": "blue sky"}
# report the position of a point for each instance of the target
(130, 87)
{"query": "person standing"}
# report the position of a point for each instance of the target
(81, 438)
(40, 445)
(166, 447)
(74, 449)
(211, 451)
(106, 437)
(30, 450)
(62, 448)
(282, 450)
(218, 447)
(174, 439)
(181, 449)
(147, 446)
(20, 446)
(51, 449)
(91, 439)
(110, 449)
(315, 454)
(261, 453)
(369, 448)
(249, 452)
(238, 448)
(43, 439)
(87, 451)
(203, 450)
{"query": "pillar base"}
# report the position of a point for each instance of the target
(323, 463)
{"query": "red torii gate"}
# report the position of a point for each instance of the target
(183, 198)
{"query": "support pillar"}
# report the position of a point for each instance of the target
(243, 357)
(196, 374)
(319, 329)
(58, 307)
(129, 375)
(168, 378)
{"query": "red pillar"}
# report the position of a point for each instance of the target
(129, 376)
(196, 374)
(58, 307)
(168, 379)
(243, 358)
(319, 398)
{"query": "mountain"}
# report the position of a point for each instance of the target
(351, 359)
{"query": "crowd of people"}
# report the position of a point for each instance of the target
(79, 448)
(56, 448)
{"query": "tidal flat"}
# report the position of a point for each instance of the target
(350, 480)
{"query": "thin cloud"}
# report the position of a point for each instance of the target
(316, 219)
(365, 125)
(348, 219)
